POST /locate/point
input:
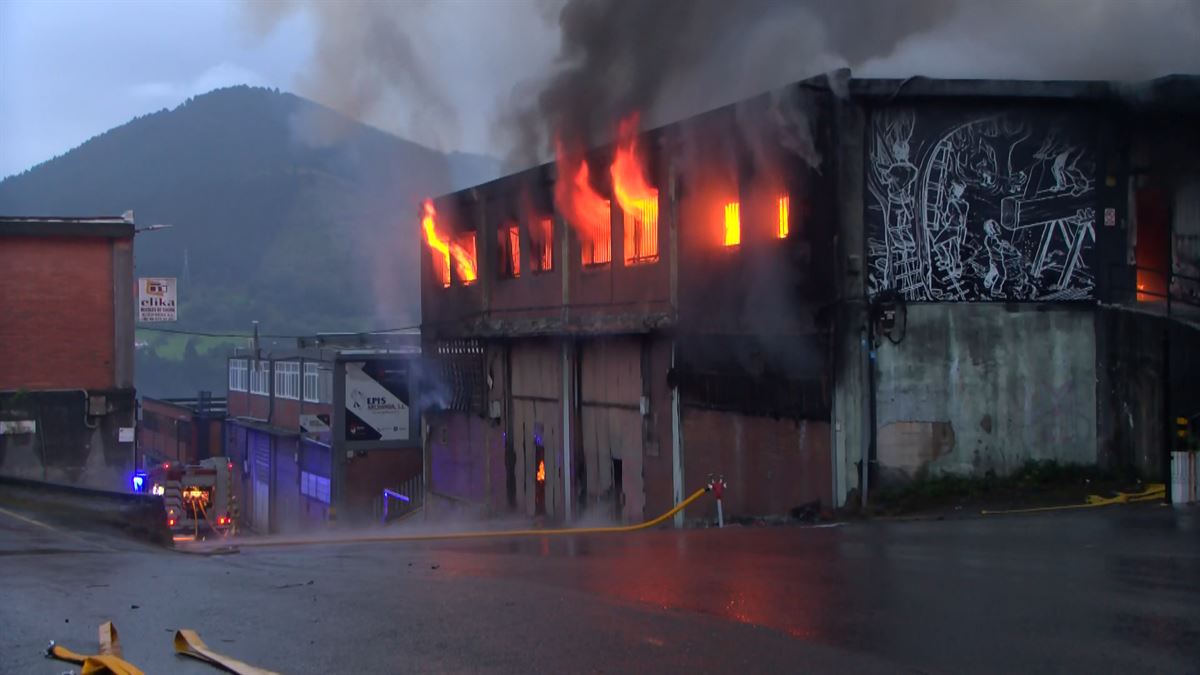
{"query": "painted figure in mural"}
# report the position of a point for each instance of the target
(1064, 164)
(1006, 275)
(952, 232)
(899, 179)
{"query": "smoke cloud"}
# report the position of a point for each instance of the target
(367, 63)
(673, 58)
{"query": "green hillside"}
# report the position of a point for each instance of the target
(282, 211)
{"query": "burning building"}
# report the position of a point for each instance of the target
(838, 285)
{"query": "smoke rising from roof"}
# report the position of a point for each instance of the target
(672, 58)
(440, 72)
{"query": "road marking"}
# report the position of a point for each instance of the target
(31, 521)
(63, 533)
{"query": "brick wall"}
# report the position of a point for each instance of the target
(770, 465)
(56, 300)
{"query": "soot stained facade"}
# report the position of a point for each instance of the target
(853, 283)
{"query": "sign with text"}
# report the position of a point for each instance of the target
(156, 299)
(377, 401)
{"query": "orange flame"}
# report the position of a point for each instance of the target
(443, 249)
(541, 472)
(585, 210)
(784, 206)
(733, 224)
(639, 201)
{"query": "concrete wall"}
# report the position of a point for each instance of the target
(979, 387)
(67, 445)
(464, 449)
(1130, 391)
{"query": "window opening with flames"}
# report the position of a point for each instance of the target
(638, 201)
(443, 249)
(733, 224)
(586, 211)
(510, 250)
(541, 244)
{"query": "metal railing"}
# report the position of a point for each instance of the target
(401, 500)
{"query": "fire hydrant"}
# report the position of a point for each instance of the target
(717, 485)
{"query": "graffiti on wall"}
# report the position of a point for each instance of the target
(979, 207)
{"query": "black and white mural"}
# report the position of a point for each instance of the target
(979, 207)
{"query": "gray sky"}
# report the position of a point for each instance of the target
(71, 69)
(441, 72)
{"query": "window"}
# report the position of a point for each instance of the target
(510, 251)
(314, 486)
(237, 375)
(641, 231)
(785, 207)
(260, 377)
(541, 245)
(325, 390)
(312, 380)
(462, 249)
(597, 238)
(287, 379)
(733, 224)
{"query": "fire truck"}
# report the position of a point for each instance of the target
(198, 498)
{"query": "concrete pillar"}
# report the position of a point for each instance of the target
(850, 428)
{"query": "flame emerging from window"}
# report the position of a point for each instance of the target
(639, 201)
(784, 207)
(541, 471)
(541, 244)
(586, 211)
(442, 250)
(733, 224)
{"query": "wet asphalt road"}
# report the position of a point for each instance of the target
(1114, 590)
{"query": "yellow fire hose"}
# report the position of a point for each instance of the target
(107, 662)
(188, 643)
(110, 662)
(1153, 492)
(493, 534)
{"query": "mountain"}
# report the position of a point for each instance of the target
(281, 211)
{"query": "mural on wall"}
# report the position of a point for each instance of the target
(979, 207)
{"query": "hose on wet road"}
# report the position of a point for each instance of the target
(485, 534)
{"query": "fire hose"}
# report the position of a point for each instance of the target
(109, 660)
(489, 534)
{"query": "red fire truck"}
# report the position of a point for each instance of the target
(198, 497)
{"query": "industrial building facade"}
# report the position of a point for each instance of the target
(318, 430)
(183, 430)
(67, 401)
(840, 285)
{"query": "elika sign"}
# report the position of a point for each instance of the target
(156, 299)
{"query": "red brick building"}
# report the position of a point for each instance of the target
(304, 429)
(66, 379)
(181, 429)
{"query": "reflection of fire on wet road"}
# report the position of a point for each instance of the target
(745, 576)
